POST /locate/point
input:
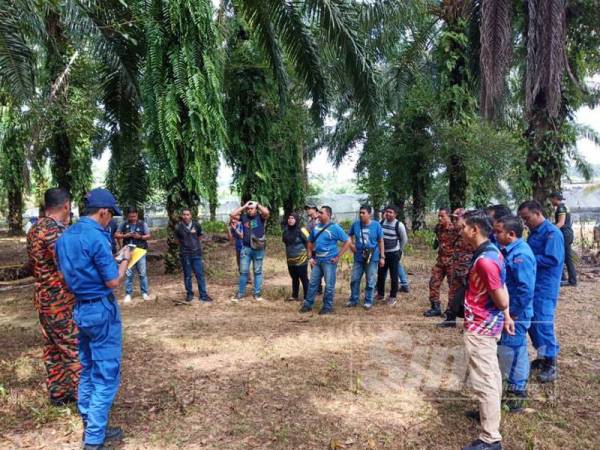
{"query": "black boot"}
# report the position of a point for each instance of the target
(448, 322)
(548, 373)
(480, 445)
(434, 311)
(515, 400)
(537, 364)
(110, 434)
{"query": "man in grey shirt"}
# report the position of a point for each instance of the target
(394, 240)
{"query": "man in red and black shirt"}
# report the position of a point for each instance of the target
(486, 314)
(53, 300)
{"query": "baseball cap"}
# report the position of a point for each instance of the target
(557, 194)
(311, 206)
(102, 198)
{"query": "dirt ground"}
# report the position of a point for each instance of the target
(253, 375)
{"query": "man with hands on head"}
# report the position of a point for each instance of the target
(85, 259)
(323, 254)
(253, 217)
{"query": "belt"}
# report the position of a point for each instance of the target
(94, 300)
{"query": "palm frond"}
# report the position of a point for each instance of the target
(281, 21)
(339, 20)
(16, 58)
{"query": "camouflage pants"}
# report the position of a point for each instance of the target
(440, 271)
(455, 281)
(61, 355)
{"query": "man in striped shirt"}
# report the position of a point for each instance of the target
(394, 240)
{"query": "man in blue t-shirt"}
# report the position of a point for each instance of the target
(253, 217)
(323, 254)
(369, 254)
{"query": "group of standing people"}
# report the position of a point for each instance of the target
(506, 288)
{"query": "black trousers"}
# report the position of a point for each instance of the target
(392, 259)
(569, 264)
(299, 275)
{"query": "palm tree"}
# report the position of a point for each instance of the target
(562, 49)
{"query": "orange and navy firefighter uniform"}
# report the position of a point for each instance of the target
(54, 304)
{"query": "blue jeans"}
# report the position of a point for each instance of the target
(370, 272)
(100, 328)
(326, 270)
(141, 268)
(402, 274)
(248, 255)
(513, 357)
(193, 264)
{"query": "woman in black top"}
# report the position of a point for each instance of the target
(295, 240)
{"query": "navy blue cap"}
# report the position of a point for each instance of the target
(102, 198)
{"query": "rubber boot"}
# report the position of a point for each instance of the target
(434, 311)
(448, 322)
(515, 400)
(549, 372)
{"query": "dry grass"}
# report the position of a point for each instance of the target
(263, 376)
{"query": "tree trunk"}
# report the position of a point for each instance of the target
(401, 205)
(172, 263)
(15, 212)
(418, 205)
(545, 157)
(457, 182)
(59, 143)
(212, 206)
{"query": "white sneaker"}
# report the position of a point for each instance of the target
(235, 299)
(127, 299)
(146, 297)
(259, 299)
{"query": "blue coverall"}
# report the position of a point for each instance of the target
(86, 261)
(520, 282)
(547, 243)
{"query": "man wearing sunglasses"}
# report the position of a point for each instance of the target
(87, 264)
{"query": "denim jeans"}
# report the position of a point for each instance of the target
(325, 269)
(141, 268)
(402, 273)
(370, 272)
(513, 357)
(248, 255)
(193, 264)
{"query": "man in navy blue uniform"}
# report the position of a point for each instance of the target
(85, 259)
(520, 282)
(547, 243)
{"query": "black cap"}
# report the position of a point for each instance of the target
(557, 194)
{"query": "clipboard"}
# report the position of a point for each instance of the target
(136, 254)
